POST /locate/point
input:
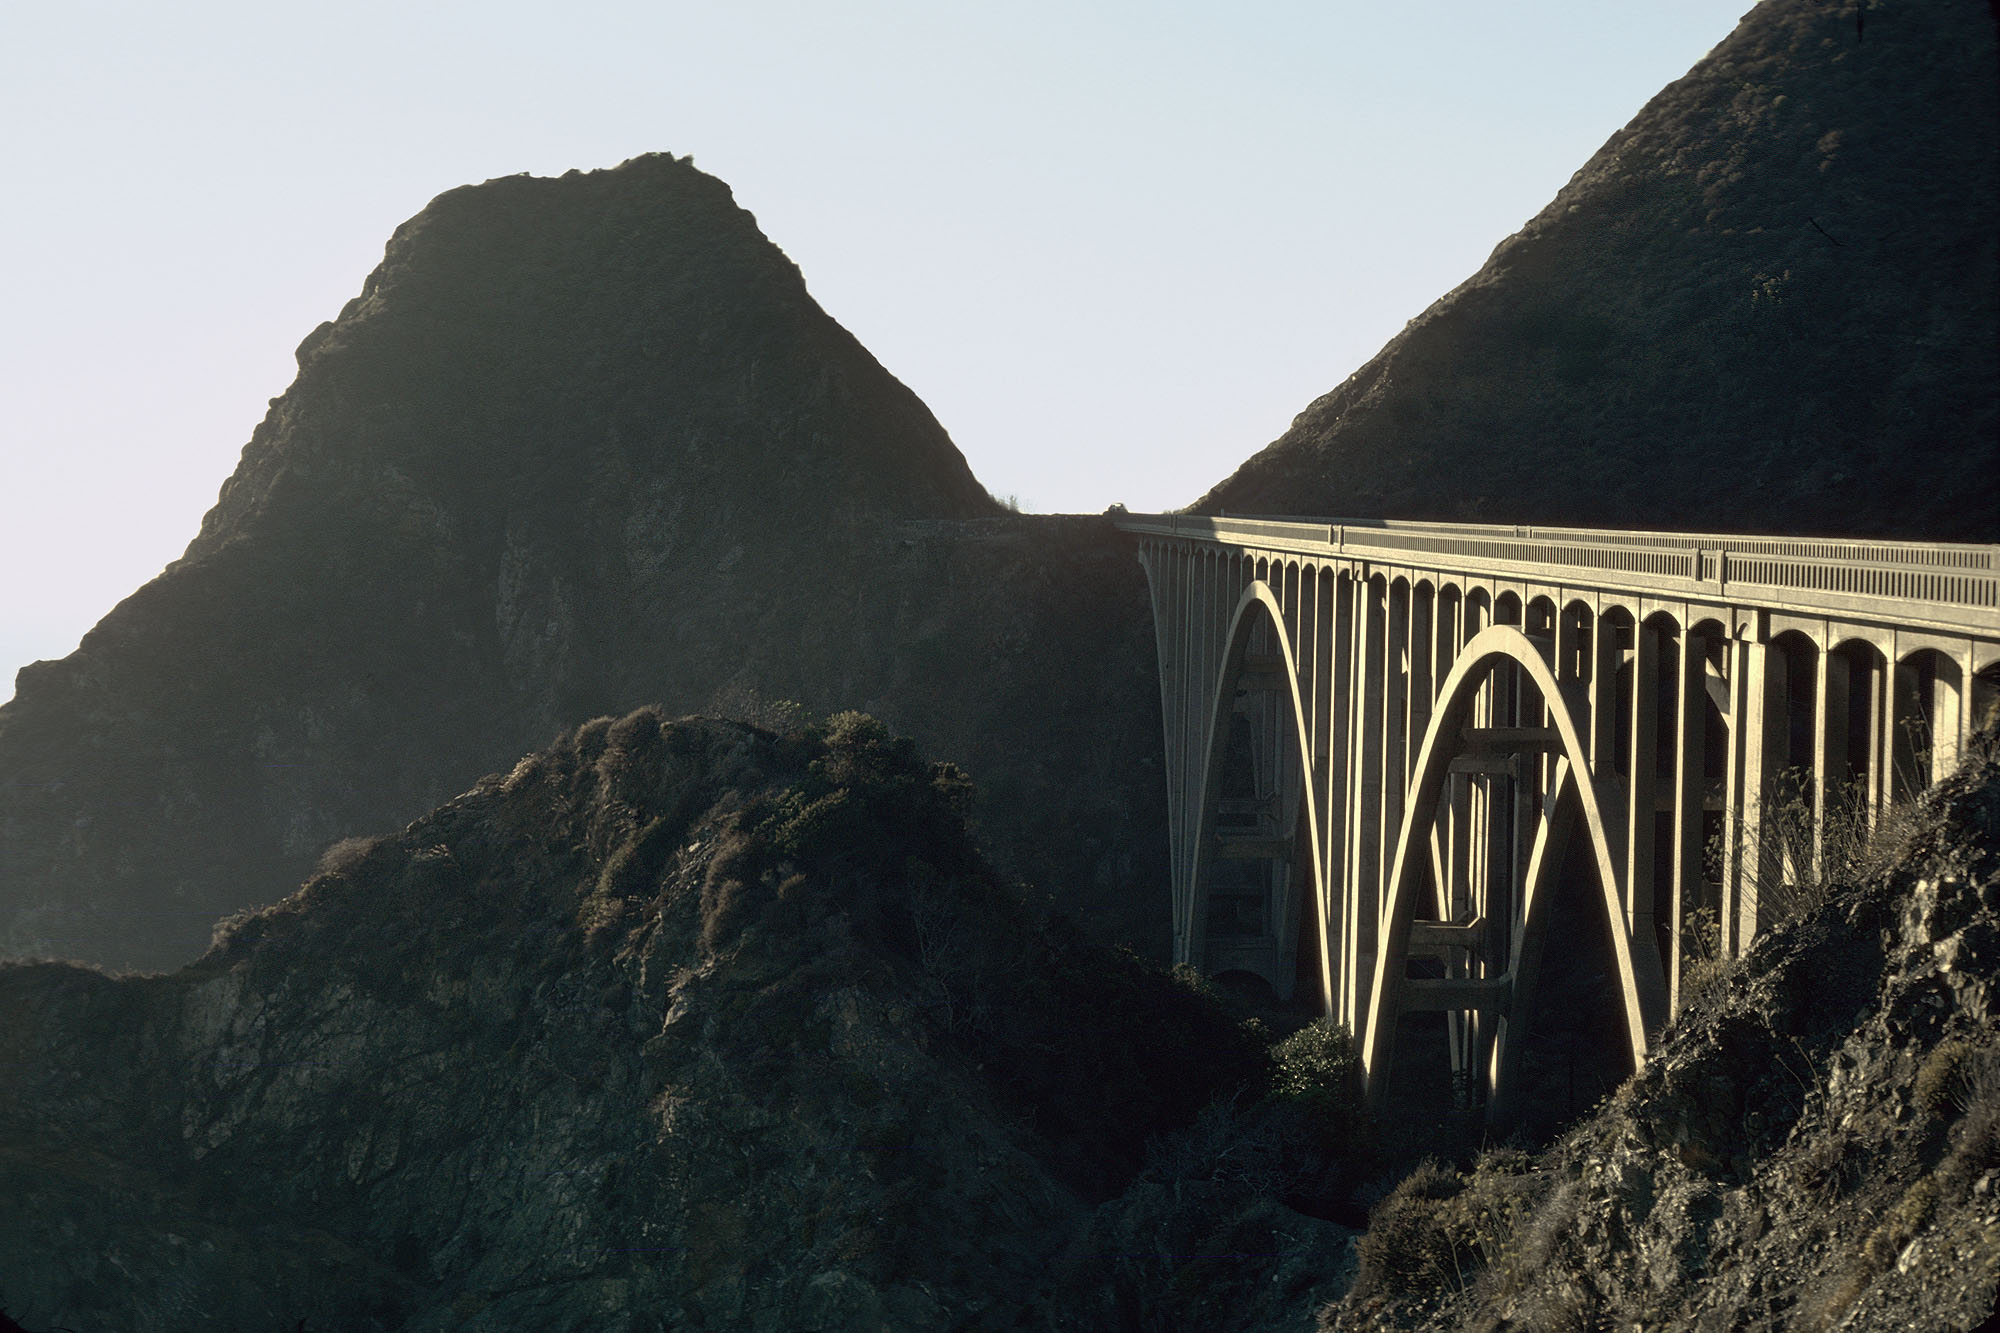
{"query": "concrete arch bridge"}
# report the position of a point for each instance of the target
(1389, 743)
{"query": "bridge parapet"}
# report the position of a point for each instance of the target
(1312, 663)
(1957, 584)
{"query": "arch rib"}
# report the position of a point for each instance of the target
(1641, 984)
(1258, 596)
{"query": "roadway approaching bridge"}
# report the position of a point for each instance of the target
(1382, 739)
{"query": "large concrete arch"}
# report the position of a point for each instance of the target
(1641, 984)
(1258, 599)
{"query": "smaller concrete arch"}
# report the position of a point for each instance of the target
(1630, 608)
(1662, 619)
(1573, 631)
(1665, 806)
(1447, 629)
(1882, 641)
(1794, 680)
(1423, 628)
(1927, 655)
(1709, 625)
(1857, 720)
(1984, 695)
(1819, 633)
(1539, 620)
(1845, 640)
(1715, 666)
(1614, 640)
(1929, 719)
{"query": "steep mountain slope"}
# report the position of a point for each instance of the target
(1770, 303)
(1815, 1146)
(676, 1024)
(580, 445)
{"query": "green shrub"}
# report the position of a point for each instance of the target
(1317, 1070)
(1438, 1228)
(1411, 1245)
(1944, 1080)
(743, 703)
(349, 855)
(1909, 1216)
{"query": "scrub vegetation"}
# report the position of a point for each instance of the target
(566, 1044)
(1815, 1145)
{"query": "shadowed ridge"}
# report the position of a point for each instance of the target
(1770, 303)
(494, 319)
(580, 444)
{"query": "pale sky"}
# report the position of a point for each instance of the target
(1114, 246)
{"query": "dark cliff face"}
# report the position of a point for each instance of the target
(1770, 303)
(675, 1024)
(581, 445)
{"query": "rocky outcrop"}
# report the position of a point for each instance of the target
(1771, 303)
(676, 1024)
(580, 445)
(1816, 1145)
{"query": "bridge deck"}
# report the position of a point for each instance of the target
(1948, 587)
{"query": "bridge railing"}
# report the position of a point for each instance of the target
(1947, 585)
(1957, 555)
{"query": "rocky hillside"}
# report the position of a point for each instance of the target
(673, 1025)
(1770, 303)
(580, 445)
(685, 1024)
(1816, 1145)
